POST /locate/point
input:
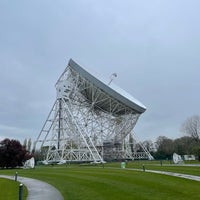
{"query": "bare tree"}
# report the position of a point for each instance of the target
(149, 145)
(192, 127)
(29, 143)
(184, 145)
(25, 143)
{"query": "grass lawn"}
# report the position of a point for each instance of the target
(77, 182)
(9, 190)
(165, 166)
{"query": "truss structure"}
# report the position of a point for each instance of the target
(132, 152)
(88, 121)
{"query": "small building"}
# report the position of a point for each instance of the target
(189, 157)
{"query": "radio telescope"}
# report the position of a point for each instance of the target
(89, 121)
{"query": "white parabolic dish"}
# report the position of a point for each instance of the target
(112, 90)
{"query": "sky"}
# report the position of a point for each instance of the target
(153, 46)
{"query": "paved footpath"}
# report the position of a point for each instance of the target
(38, 190)
(187, 176)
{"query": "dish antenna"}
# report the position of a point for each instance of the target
(177, 158)
(29, 163)
(89, 121)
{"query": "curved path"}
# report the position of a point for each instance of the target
(38, 190)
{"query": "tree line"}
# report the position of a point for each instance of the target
(164, 147)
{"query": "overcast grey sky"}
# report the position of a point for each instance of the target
(153, 46)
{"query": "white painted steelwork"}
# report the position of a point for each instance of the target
(89, 120)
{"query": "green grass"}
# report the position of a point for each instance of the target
(166, 166)
(95, 182)
(9, 190)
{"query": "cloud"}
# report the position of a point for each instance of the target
(14, 132)
(153, 46)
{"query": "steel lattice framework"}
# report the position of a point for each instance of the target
(86, 123)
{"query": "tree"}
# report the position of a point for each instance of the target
(41, 154)
(12, 153)
(25, 143)
(165, 148)
(192, 127)
(184, 145)
(148, 144)
(29, 143)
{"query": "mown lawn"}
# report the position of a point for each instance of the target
(9, 190)
(161, 166)
(77, 182)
